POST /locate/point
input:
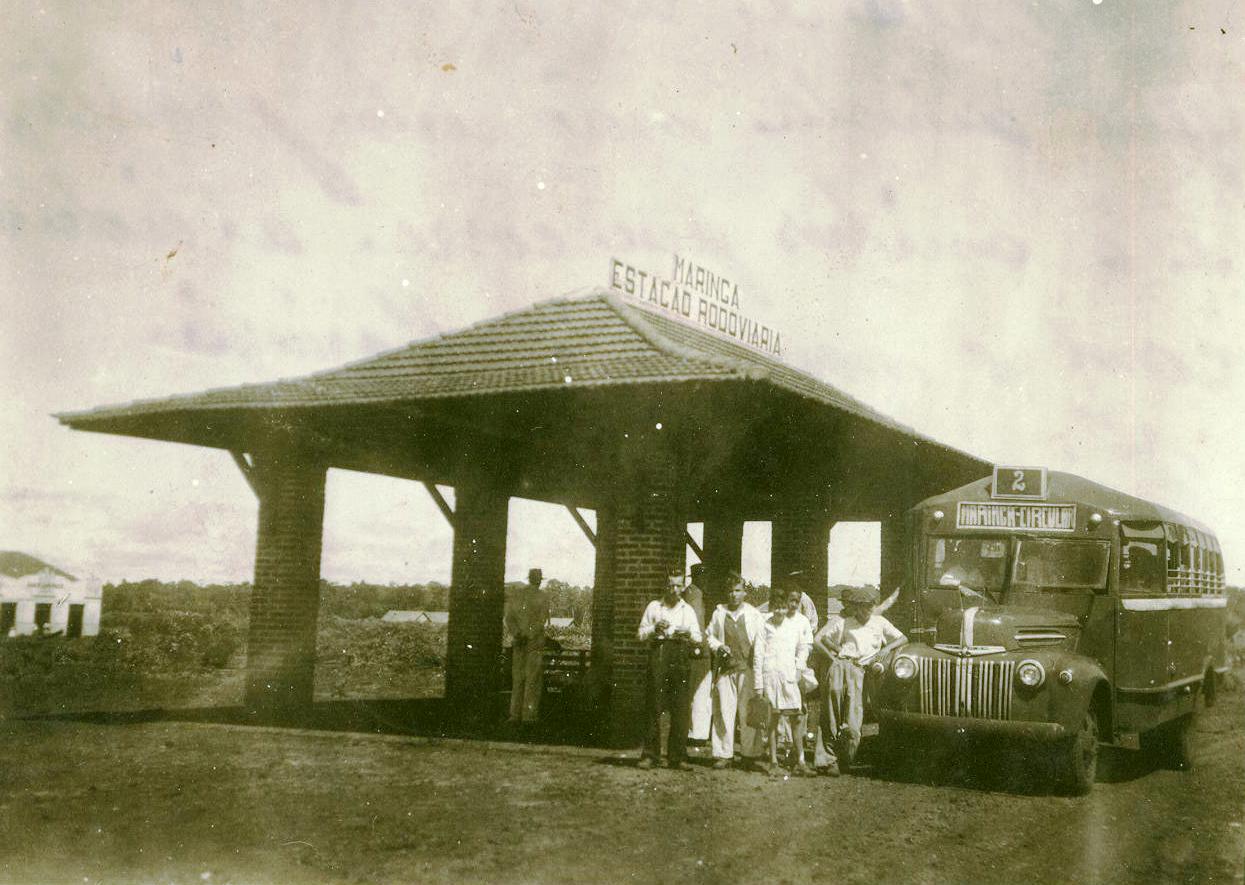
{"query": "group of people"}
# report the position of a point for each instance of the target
(747, 671)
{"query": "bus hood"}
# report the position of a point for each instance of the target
(992, 629)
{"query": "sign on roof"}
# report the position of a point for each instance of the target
(1027, 483)
(697, 295)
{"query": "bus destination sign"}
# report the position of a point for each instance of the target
(1027, 483)
(1016, 517)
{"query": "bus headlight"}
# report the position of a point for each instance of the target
(903, 667)
(1030, 674)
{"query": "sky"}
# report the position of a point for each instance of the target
(1014, 227)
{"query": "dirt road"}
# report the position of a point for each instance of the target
(209, 803)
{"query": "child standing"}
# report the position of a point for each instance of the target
(781, 657)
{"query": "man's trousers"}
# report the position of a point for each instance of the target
(702, 697)
(842, 713)
(526, 678)
(668, 692)
(731, 694)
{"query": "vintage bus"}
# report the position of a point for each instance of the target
(1045, 607)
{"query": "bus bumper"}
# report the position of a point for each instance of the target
(955, 725)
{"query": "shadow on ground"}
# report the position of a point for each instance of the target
(421, 717)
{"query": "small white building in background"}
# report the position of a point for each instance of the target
(400, 616)
(34, 593)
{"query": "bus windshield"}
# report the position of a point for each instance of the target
(1057, 564)
(971, 563)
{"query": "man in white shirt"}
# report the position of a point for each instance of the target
(669, 626)
(733, 632)
(853, 642)
(527, 612)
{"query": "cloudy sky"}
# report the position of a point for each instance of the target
(1016, 227)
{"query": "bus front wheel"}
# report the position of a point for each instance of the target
(1077, 757)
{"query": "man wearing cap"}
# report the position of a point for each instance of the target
(527, 612)
(670, 629)
(698, 668)
(852, 641)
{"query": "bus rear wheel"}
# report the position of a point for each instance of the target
(1077, 757)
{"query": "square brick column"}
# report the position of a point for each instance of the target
(645, 537)
(600, 673)
(285, 602)
(477, 600)
(799, 542)
(894, 558)
(724, 540)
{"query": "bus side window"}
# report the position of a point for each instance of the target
(1142, 557)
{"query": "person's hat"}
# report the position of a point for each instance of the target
(834, 605)
(535, 574)
(696, 569)
(860, 596)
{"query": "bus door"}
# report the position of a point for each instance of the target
(1143, 655)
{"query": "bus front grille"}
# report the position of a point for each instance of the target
(966, 687)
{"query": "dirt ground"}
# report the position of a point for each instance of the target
(165, 801)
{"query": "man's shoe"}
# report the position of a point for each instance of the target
(645, 763)
(831, 770)
(682, 766)
(721, 764)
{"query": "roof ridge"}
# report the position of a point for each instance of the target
(630, 313)
(442, 336)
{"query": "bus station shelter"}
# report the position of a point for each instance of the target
(591, 401)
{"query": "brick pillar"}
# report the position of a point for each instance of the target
(724, 539)
(648, 540)
(281, 640)
(799, 541)
(477, 598)
(601, 671)
(894, 552)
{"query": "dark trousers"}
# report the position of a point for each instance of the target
(668, 691)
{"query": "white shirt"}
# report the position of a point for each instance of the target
(784, 647)
(856, 640)
(679, 616)
(526, 613)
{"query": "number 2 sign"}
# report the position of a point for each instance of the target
(1019, 482)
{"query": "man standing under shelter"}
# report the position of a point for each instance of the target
(527, 612)
(670, 628)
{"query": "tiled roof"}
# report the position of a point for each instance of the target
(599, 340)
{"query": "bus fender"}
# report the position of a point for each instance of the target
(1077, 685)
